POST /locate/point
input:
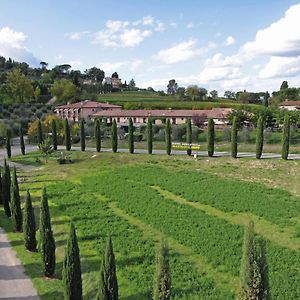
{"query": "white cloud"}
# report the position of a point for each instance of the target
(230, 40)
(281, 67)
(12, 45)
(160, 26)
(75, 36)
(190, 25)
(148, 20)
(136, 64)
(115, 66)
(120, 34)
(180, 52)
(173, 24)
(281, 38)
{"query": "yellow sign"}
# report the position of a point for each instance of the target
(185, 146)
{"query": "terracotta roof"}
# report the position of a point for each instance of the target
(290, 103)
(217, 113)
(89, 104)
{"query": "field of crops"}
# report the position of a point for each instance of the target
(138, 199)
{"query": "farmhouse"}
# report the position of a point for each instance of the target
(140, 117)
(290, 105)
(83, 110)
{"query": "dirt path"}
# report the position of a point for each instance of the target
(14, 283)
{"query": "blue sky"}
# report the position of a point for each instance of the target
(221, 45)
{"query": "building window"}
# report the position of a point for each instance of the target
(134, 120)
(118, 120)
(173, 120)
(144, 120)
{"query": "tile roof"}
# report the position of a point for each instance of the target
(88, 104)
(290, 103)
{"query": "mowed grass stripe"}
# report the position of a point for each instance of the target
(270, 231)
(221, 279)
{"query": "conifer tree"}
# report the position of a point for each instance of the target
(162, 279)
(67, 135)
(234, 138)
(54, 135)
(46, 243)
(259, 137)
(108, 285)
(168, 137)
(189, 135)
(6, 189)
(114, 136)
(149, 136)
(29, 227)
(8, 143)
(211, 138)
(286, 137)
(22, 143)
(130, 136)
(16, 212)
(40, 137)
(1, 200)
(98, 135)
(71, 274)
(82, 135)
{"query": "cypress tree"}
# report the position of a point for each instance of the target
(259, 137)
(108, 285)
(6, 189)
(40, 137)
(47, 243)
(285, 137)
(234, 138)
(149, 136)
(189, 135)
(67, 135)
(98, 135)
(1, 201)
(54, 135)
(162, 280)
(29, 228)
(211, 138)
(16, 211)
(22, 143)
(130, 136)
(168, 137)
(8, 143)
(71, 274)
(254, 270)
(114, 136)
(82, 135)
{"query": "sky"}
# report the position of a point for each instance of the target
(219, 45)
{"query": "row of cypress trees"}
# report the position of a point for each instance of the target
(168, 140)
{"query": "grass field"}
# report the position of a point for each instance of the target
(200, 206)
(148, 100)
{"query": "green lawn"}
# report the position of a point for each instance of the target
(200, 206)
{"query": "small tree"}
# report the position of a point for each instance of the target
(259, 137)
(285, 137)
(108, 285)
(168, 137)
(82, 135)
(189, 135)
(47, 243)
(16, 211)
(8, 143)
(22, 143)
(211, 138)
(71, 274)
(6, 189)
(149, 136)
(67, 135)
(98, 135)
(40, 137)
(130, 136)
(46, 148)
(114, 136)
(1, 192)
(54, 134)
(29, 228)
(234, 138)
(162, 280)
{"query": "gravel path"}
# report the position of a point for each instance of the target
(14, 283)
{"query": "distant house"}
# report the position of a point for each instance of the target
(290, 105)
(83, 110)
(140, 117)
(116, 83)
